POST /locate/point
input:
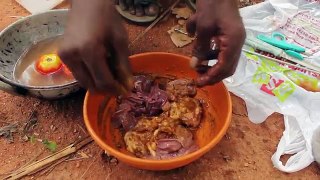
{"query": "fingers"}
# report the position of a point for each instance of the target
(227, 60)
(221, 21)
(192, 25)
(139, 10)
(203, 66)
(215, 74)
(89, 67)
(78, 69)
(130, 6)
(96, 61)
(129, 2)
(202, 48)
(152, 10)
(122, 65)
(123, 5)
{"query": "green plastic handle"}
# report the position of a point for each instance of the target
(258, 44)
(278, 35)
(281, 43)
(294, 54)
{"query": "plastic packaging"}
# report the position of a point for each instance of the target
(268, 87)
(38, 6)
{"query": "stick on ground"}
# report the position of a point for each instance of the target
(33, 167)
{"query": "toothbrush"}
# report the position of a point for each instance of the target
(283, 62)
(258, 44)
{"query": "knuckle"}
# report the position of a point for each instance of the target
(203, 27)
(68, 52)
(103, 85)
(232, 71)
(226, 72)
(82, 83)
(229, 73)
(65, 52)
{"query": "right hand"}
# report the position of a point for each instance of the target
(95, 47)
(217, 20)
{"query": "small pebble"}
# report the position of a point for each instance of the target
(78, 164)
(246, 164)
(226, 158)
(114, 160)
(25, 138)
(227, 136)
(53, 128)
(75, 131)
(36, 104)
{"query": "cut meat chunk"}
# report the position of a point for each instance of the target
(188, 110)
(181, 88)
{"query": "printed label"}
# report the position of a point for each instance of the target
(284, 90)
(272, 84)
(303, 29)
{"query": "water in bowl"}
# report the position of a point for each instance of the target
(25, 71)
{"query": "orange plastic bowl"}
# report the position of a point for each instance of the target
(213, 127)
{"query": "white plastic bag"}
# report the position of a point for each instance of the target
(267, 87)
(38, 6)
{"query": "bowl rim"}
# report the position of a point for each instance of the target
(15, 83)
(135, 160)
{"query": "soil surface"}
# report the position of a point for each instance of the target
(244, 153)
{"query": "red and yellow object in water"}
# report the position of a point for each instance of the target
(48, 63)
(51, 63)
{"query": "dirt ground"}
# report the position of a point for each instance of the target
(244, 153)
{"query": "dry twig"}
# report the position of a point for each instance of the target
(155, 22)
(45, 162)
(94, 160)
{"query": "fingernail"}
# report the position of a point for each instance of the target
(193, 62)
(122, 90)
(201, 81)
(129, 83)
(199, 84)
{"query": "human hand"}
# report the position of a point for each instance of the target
(217, 20)
(95, 47)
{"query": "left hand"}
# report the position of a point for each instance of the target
(219, 20)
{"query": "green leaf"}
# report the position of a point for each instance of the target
(51, 145)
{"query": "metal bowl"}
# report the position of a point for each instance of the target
(19, 36)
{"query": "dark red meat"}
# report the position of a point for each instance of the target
(145, 99)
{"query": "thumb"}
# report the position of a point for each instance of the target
(124, 71)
